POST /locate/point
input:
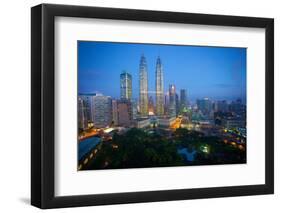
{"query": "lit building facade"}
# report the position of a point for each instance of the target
(166, 104)
(134, 108)
(82, 119)
(143, 87)
(159, 88)
(234, 123)
(172, 100)
(102, 107)
(125, 85)
(204, 105)
(142, 123)
(177, 104)
(88, 105)
(166, 122)
(183, 99)
(150, 106)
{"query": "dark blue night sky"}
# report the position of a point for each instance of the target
(214, 72)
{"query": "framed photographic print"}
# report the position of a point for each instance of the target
(139, 106)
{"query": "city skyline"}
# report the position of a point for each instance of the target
(134, 109)
(224, 79)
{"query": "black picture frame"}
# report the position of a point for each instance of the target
(43, 105)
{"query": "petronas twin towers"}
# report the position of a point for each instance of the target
(143, 87)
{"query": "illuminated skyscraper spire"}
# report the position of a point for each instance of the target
(143, 83)
(159, 88)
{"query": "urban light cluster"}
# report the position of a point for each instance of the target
(101, 111)
(173, 118)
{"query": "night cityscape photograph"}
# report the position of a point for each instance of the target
(160, 105)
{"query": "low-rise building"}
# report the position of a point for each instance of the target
(166, 122)
(142, 122)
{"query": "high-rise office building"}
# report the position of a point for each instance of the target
(172, 100)
(221, 106)
(102, 110)
(143, 87)
(183, 99)
(166, 104)
(150, 106)
(125, 113)
(114, 112)
(177, 104)
(88, 105)
(159, 84)
(125, 85)
(204, 105)
(134, 108)
(236, 106)
(82, 119)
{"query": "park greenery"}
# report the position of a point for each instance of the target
(138, 148)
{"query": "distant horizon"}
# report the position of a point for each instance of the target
(217, 73)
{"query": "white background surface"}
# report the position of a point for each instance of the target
(15, 106)
(70, 182)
